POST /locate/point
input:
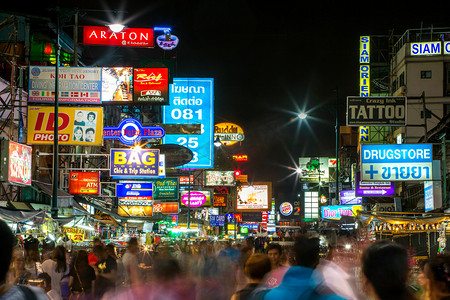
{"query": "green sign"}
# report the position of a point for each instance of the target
(165, 189)
(244, 230)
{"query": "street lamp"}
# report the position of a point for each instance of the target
(116, 27)
(302, 116)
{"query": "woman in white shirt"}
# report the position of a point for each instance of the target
(56, 267)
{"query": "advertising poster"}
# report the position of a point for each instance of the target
(256, 197)
(127, 37)
(84, 182)
(165, 189)
(196, 198)
(117, 84)
(134, 163)
(313, 169)
(335, 212)
(220, 200)
(134, 190)
(19, 163)
(219, 178)
(75, 234)
(135, 211)
(192, 102)
(76, 85)
(77, 125)
(171, 208)
(151, 85)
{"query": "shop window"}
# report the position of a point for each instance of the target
(425, 74)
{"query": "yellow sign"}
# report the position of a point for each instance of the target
(228, 133)
(76, 125)
(75, 234)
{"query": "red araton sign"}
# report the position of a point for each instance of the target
(128, 37)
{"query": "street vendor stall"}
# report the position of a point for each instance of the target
(424, 234)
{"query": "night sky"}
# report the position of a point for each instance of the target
(269, 60)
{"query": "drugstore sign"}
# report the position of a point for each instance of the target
(134, 163)
(396, 162)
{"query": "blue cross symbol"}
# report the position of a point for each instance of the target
(371, 172)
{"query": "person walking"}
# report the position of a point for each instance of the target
(130, 262)
(56, 267)
(81, 277)
(255, 268)
(274, 278)
(298, 282)
(437, 271)
(385, 271)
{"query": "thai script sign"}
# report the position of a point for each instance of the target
(191, 101)
(130, 131)
(151, 85)
(128, 37)
(396, 162)
(76, 85)
(77, 125)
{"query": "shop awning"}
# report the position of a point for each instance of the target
(367, 217)
(15, 215)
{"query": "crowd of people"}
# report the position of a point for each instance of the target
(207, 270)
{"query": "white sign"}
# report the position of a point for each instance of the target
(393, 162)
(426, 48)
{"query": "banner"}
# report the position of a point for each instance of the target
(77, 125)
(84, 182)
(151, 85)
(134, 163)
(76, 85)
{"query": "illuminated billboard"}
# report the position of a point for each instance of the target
(117, 84)
(134, 162)
(256, 197)
(196, 198)
(77, 125)
(135, 211)
(84, 182)
(127, 37)
(228, 133)
(76, 85)
(19, 163)
(151, 85)
(219, 178)
(192, 102)
(313, 169)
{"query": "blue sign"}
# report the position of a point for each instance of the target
(217, 220)
(134, 189)
(397, 162)
(191, 102)
(130, 131)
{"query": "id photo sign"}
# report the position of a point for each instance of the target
(397, 162)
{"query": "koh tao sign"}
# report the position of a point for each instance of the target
(396, 162)
(128, 37)
(130, 131)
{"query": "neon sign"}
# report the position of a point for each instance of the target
(130, 131)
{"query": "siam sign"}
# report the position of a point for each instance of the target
(128, 37)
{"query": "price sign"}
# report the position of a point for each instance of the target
(191, 102)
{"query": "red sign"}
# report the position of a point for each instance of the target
(84, 182)
(151, 85)
(166, 207)
(128, 37)
(19, 163)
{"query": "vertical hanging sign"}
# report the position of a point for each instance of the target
(191, 102)
(364, 79)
